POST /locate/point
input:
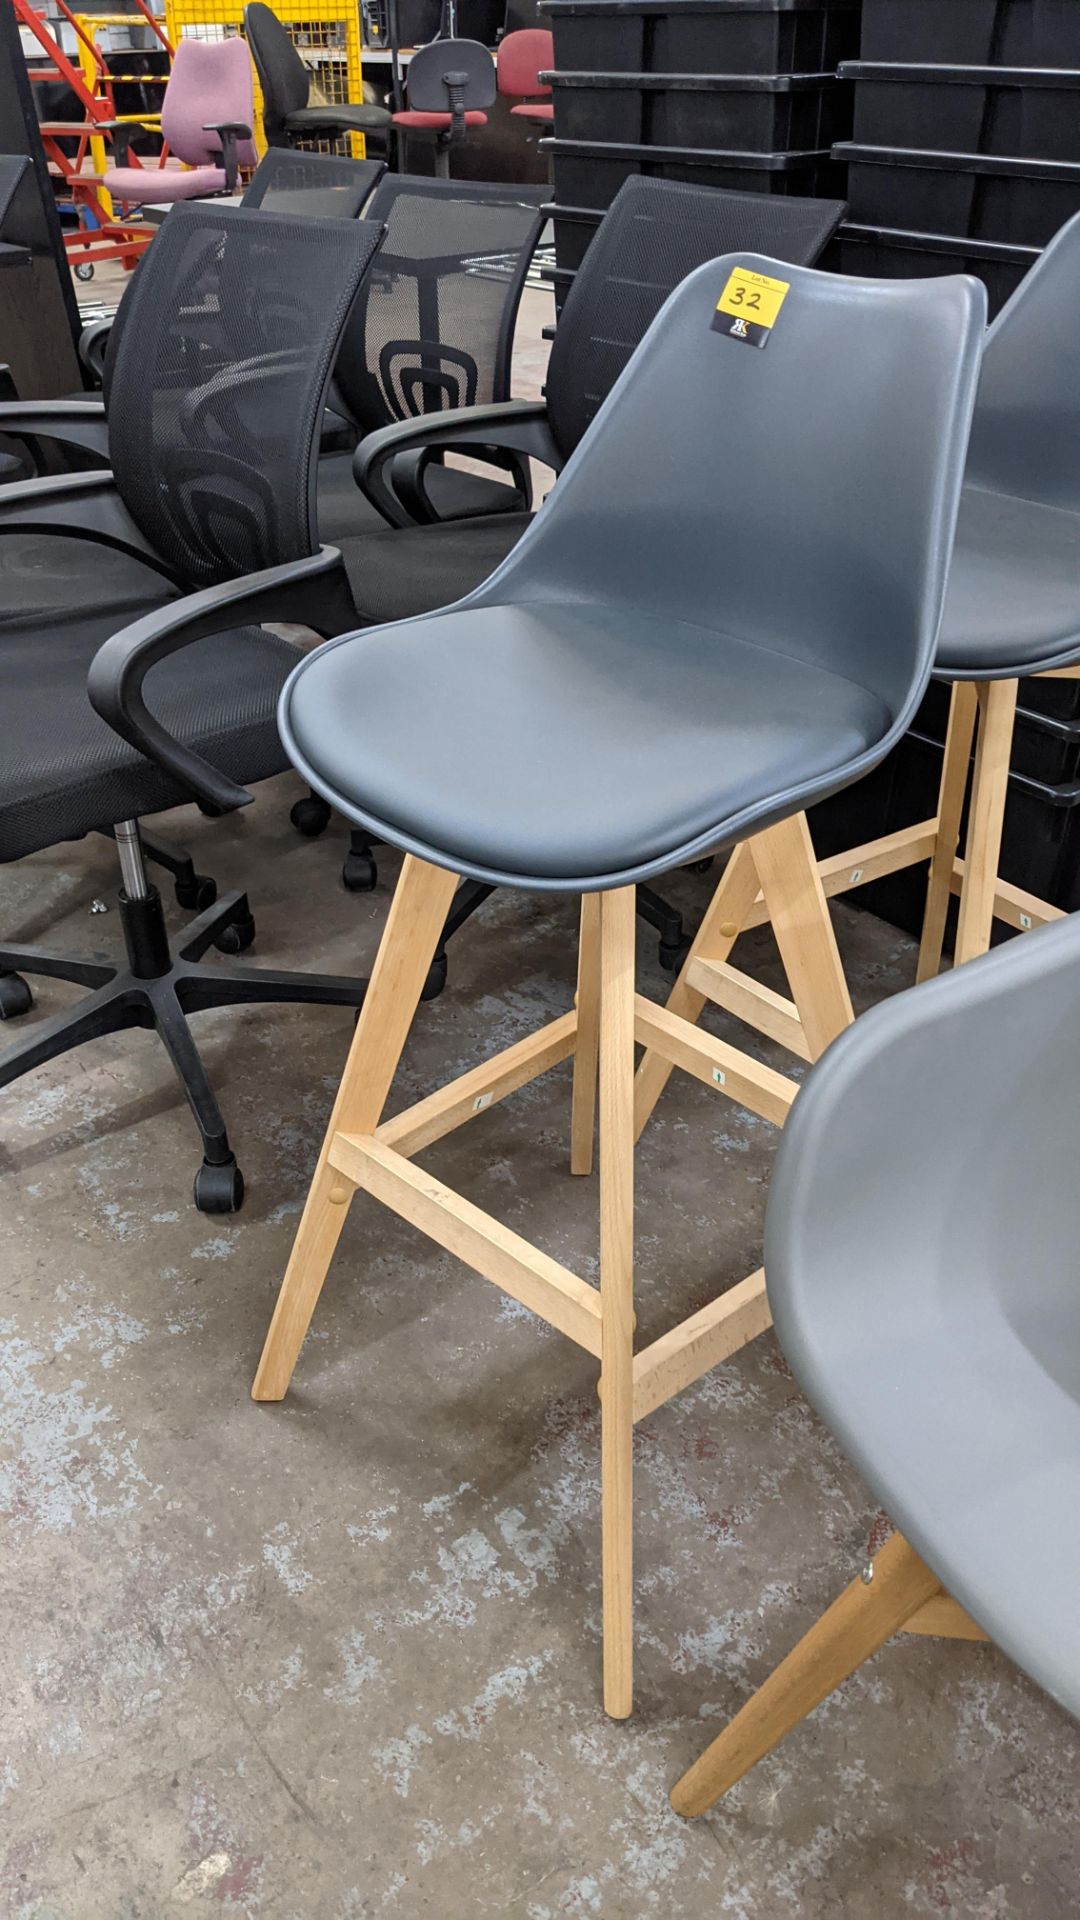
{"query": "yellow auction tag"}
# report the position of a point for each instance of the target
(749, 306)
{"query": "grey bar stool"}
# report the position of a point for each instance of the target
(935, 1326)
(727, 606)
(1012, 609)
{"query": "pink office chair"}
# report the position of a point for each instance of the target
(206, 121)
(522, 57)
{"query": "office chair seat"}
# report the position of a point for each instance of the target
(921, 1253)
(314, 121)
(218, 696)
(345, 513)
(538, 110)
(156, 184)
(400, 575)
(557, 742)
(1013, 604)
(412, 117)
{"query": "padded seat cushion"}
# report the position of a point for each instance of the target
(555, 743)
(534, 110)
(155, 184)
(1013, 603)
(63, 771)
(399, 575)
(327, 118)
(345, 512)
(412, 117)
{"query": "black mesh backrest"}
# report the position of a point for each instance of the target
(434, 325)
(287, 181)
(654, 233)
(282, 74)
(219, 382)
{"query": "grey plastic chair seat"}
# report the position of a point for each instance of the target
(1013, 605)
(921, 1252)
(344, 512)
(612, 738)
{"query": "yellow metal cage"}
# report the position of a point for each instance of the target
(325, 33)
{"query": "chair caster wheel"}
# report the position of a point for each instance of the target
(672, 957)
(219, 1189)
(436, 979)
(237, 936)
(359, 873)
(310, 816)
(15, 996)
(699, 866)
(84, 270)
(196, 895)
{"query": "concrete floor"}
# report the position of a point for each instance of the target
(341, 1657)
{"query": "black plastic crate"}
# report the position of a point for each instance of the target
(881, 253)
(1032, 113)
(703, 36)
(972, 195)
(754, 113)
(589, 173)
(1006, 33)
(574, 228)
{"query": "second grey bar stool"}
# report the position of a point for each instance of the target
(727, 607)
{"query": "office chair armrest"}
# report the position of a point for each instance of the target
(121, 133)
(229, 132)
(48, 505)
(513, 426)
(72, 423)
(313, 591)
(94, 345)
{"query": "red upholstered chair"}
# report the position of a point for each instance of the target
(449, 84)
(522, 58)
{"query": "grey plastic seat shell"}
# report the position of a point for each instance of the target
(1013, 605)
(921, 1253)
(783, 546)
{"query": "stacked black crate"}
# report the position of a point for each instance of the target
(741, 94)
(966, 159)
(966, 149)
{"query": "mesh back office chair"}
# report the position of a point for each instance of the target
(207, 114)
(287, 180)
(652, 236)
(433, 332)
(650, 675)
(447, 87)
(935, 1325)
(1013, 608)
(286, 85)
(212, 496)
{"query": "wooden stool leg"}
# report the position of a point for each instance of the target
(989, 787)
(587, 1042)
(617, 942)
(963, 708)
(413, 929)
(855, 1626)
(735, 895)
(799, 912)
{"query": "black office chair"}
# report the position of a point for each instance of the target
(211, 496)
(449, 85)
(432, 332)
(286, 85)
(288, 180)
(653, 235)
